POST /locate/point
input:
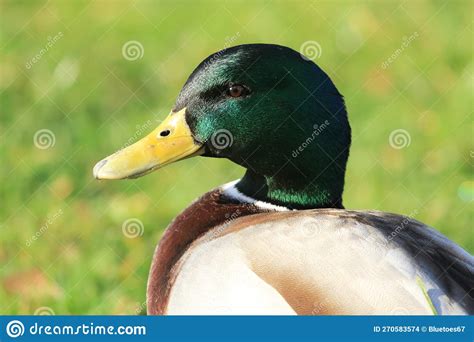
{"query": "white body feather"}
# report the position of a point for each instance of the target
(305, 264)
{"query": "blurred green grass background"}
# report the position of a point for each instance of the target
(94, 100)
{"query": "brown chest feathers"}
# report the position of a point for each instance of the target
(211, 210)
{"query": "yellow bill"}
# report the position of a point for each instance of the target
(171, 141)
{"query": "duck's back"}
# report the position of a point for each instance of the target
(322, 261)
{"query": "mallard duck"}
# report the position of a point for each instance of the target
(278, 240)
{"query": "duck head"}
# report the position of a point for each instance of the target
(264, 107)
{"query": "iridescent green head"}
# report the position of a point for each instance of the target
(266, 108)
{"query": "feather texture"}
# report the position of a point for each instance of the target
(323, 261)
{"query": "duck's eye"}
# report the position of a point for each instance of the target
(236, 90)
